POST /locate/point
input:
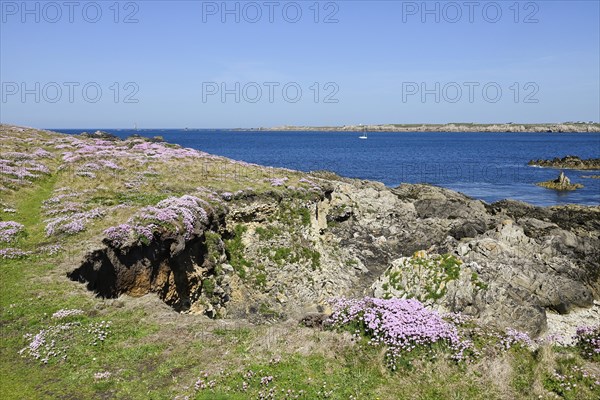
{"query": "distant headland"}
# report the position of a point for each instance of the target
(450, 127)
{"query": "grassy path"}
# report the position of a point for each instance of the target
(18, 309)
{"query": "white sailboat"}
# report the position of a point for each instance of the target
(364, 135)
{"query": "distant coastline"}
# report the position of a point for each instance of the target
(570, 127)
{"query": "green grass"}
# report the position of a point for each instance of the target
(234, 248)
(269, 232)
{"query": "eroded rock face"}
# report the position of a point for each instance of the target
(184, 272)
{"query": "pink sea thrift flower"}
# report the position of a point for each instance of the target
(9, 230)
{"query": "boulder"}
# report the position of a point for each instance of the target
(560, 183)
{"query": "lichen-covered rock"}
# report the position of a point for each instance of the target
(568, 162)
(423, 276)
(560, 183)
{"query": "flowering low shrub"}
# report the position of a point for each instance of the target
(203, 382)
(12, 253)
(119, 234)
(514, 338)
(587, 340)
(68, 207)
(60, 314)
(567, 381)
(174, 214)
(18, 168)
(50, 249)
(41, 153)
(22, 169)
(402, 325)
(99, 376)
(66, 214)
(9, 230)
(227, 196)
(49, 343)
(133, 149)
(275, 182)
(53, 342)
(72, 224)
(313, 186)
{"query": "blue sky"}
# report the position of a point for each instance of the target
(353, 62)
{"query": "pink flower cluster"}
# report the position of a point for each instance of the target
(119, 234)
(99, 376)
(59, 197)
(174, 214)
(53, 342)
(265, 380)
(48, 343)
(587, 339)
(50, 249)
(73, 223)
(203, 382)
(64, 313)
(69, 217)
(41, 153)
(18, 168)
(12, 253)
(313, 185)
(513, 338)
(68, 207)
(89, 169)
(9, 230)
(566, 381)
(402, 325)
(275, 182)
(133, 149)
(227, 196)
(99, 331)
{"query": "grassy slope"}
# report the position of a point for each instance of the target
(155, 353)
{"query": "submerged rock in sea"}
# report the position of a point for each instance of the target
(560, 183)
(100, 135)
(568, 162)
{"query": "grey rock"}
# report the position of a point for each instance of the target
(519, 261)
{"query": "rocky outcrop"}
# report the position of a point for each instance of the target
(524, 265)
(286, 256)
(568, 162)
(560, 183)
(516, 260)
(100, 135)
